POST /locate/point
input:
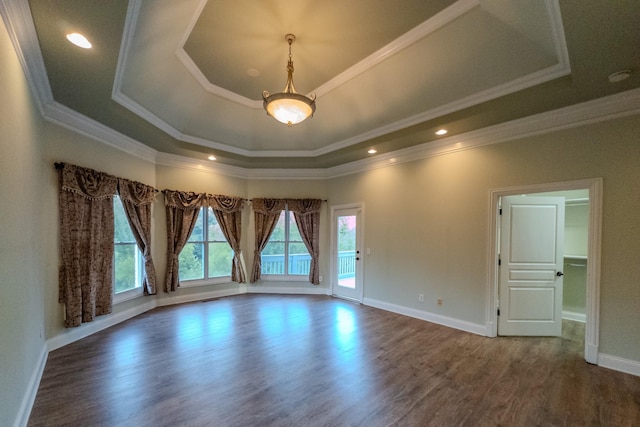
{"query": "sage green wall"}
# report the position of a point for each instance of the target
(427, 221)
(200, 181)
(293, 188)
(62, 145)
(23, 261)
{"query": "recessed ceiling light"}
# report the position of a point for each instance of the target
(619, 76)
(211, 157)
(441, 132)
(372, 151)
(79, 40)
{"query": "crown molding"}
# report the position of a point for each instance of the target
(22, 33)
(19, 23)
(560, 69)
(67, 118)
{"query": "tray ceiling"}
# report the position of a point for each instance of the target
(186, 77)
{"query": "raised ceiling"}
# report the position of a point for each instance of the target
(186, 77)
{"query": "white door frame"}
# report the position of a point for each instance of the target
(359, 244)
(592, 328)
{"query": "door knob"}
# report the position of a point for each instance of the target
(559, 274)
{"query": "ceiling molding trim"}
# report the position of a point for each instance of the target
(598, 110)
(133, 11)
(70, 119)
(429, 26)
(542, 76)
(589, 112)
(197, 73)
(177, 161)
(562, 52)
(452, 12)
(22, 32)
(210, 87)
(594, 111)
(550, 73)
(419, 32)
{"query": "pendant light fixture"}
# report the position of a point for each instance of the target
(289, 107)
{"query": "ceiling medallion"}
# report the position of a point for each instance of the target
(289, 107)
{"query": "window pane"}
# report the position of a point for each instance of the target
(197, 235)
(299, 259)
(213, 228)
(294, 233)
(122, 231)
(191, 261)
(279, 230)
(220, 259)
(125, 267)
(273, 258)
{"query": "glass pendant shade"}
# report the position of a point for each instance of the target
(289, 107)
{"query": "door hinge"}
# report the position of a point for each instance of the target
(500, 212)
(499, 261)
(498, 312)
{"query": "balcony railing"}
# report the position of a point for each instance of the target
(301, 263)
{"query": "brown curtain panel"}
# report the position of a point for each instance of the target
(86, 242)
(266, 213)
(307, 215)
(182, 213)
(228, 212)
(137, 199)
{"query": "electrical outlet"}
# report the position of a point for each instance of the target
(439, 301)
(320, 278)
(421, 297)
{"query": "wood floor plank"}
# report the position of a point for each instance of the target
(274, 360)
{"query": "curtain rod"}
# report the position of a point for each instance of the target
(60, 165)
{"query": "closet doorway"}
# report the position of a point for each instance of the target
(583, 201)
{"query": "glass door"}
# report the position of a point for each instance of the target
(347, 257)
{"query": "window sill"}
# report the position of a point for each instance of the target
(205, 282)
(282, 278)
(128, 295)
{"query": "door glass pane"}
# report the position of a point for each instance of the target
(347, 251)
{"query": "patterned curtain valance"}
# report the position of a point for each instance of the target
(136, 192)
(268, 206)
(304, 206)
(85, 182)
(225, 204)
(184, 200)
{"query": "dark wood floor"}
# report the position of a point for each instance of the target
(270, 360)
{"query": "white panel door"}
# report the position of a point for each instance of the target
(531, 261)
(347, 258)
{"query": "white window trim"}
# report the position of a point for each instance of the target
(192, 283)
(136, 292)
(286, 277)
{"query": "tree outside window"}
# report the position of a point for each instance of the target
(128, 262)
(207, 253)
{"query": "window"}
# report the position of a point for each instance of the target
(207, 253)
(128, 263)
(286, 254)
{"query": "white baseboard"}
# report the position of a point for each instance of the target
(462, 325)
(619, 364)
(576, 317)
(201, 296)
(101, 322)
(32, 389)
(261, 289)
